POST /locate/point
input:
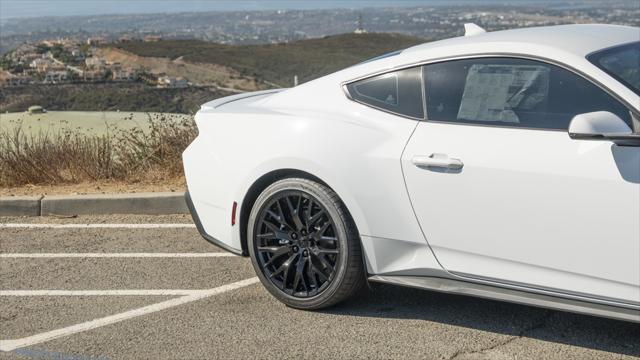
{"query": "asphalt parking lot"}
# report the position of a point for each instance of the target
(113, 291)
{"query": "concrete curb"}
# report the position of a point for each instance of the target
(138, 203)
(20, 206)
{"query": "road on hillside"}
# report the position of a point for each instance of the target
(143, 290)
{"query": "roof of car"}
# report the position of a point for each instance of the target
(580, 39)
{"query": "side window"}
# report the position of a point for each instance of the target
(399, 92)
(512, 92)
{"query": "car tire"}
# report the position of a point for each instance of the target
(305, 269)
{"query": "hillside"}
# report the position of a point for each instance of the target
(278, 63)
(243, 67)
(197, 73)
(106, 97)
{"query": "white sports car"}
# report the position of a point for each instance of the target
(504, 165)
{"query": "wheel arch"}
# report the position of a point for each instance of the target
(260, 184)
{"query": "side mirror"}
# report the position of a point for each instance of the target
(602, 125)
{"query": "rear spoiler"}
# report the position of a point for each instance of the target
(227, 99)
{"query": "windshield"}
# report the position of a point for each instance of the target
(621, 62)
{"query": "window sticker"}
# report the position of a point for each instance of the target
(497, 92)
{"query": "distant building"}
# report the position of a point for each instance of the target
(93, 41)
(152, 38)
(77, 54)
(55, 77)
(41, 65)
(95, 62)
(167, 82)
(123, 74)
(94, 75)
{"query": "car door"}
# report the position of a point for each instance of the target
(501, 191)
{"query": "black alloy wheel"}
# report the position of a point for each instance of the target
(297, 246)
(303, 245)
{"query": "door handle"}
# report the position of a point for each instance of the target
(437, 161)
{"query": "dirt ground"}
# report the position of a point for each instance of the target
(97, 187)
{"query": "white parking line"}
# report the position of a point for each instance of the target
(149, 292)
(95, 226)
(9, 345)
(114, 255)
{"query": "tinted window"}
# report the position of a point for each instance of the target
(399, 92)
(622, 62)
(512, 92)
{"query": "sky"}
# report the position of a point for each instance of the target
(36, 8)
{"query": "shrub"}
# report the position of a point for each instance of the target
(71, 156)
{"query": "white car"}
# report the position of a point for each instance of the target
(504, 165)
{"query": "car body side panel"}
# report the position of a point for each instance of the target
(354, 149)
(531, 206)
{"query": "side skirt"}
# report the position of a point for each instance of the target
(453, 286)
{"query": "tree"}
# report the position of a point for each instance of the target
(42, 48)
(85, 48)
(5, 63)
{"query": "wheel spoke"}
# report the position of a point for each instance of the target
(276, 251)
(311, 275)
(328, 251)
(295, 215)
(326, 242)
(313, 219)
(299, 277)
(285, 275)
(272, 249)
(284, 269)
(324, 262)
(278, 234)
(319, 272)
(324, 228)
(267, 236)
(281, 215)
(277, 217)
(307, 212)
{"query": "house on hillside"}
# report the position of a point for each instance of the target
(41, 65)
(152, 38)
(55, 77)
(169, 82)
(94, 75)
(93, 41)
(125, 74)
(95, 62)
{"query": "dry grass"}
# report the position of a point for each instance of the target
(71, 157)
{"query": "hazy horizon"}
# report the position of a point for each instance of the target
(10, 9)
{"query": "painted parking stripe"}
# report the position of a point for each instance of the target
(9, 345)
(96, 226)
(143, 292)
(114, 255)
